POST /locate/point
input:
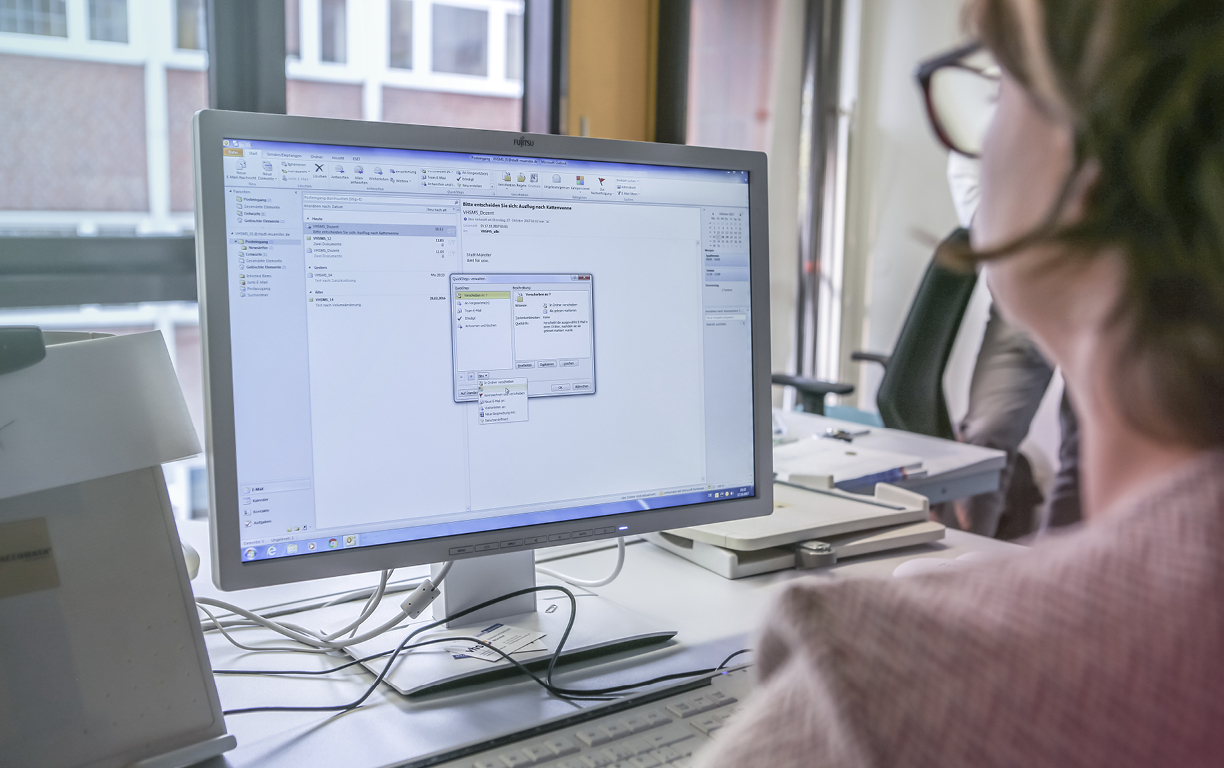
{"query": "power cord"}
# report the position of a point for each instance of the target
(412, 606)
(601, 694)
(324, 601)
(620, 563)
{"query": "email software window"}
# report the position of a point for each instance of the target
(423, 346)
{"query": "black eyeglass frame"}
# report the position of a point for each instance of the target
(926, 71)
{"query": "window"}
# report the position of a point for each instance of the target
(34, 17)
(443, 64)
(333, 43)
(191, 25)
(460, 40)
(105, 148)
(108, 20)
(293, 28)
(399, 34)
(514, 46)
(733, 50)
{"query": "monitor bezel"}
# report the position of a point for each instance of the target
(210, 127)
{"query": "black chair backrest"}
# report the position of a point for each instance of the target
(911, 395)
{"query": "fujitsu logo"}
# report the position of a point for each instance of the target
(523, 141)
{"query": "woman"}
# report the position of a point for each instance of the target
(1101, 226)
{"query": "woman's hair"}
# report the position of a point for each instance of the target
(1142, 82)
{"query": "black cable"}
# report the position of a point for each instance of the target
(599, 692)
(546, 683)
(740, 652)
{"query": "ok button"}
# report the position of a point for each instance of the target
(560, 387)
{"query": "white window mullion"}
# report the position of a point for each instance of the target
(497, 43)
(309, 12)
(371, 53)
(77, 13)
(156, 35)
(422, 36)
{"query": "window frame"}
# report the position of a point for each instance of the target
(158, 263)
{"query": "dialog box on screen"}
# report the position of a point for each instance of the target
(534, 327)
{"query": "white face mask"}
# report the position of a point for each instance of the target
(963, 181)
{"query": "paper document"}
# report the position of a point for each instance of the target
(92, 409)
(505, 638)
(848, 464)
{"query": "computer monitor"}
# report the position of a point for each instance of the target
(429, 344)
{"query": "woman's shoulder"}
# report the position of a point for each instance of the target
(1103, 644)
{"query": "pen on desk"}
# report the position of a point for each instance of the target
(833, 433)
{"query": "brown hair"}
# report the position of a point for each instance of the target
(1142, 82)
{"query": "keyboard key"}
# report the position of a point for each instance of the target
(667, 736)
(538, 753)
(573, 762)
(707, 724)
(683, 709)
(595, 760)
(617, 752)
(561, 746)
(721, 699)
(665, 754)
(644, 761)
(702, 703)
(614, 730)
(637, 745)
(636, 724)
(592, 737)
(656, 719)
(488, 763)
(515, 760)
(687, 747)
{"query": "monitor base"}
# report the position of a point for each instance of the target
(601, 626)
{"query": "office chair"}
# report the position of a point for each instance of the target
(911, 394)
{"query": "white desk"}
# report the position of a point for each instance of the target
(713, 616)
(955, 470)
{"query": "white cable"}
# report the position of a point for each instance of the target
(445, 569)
(221, 627)
(411, 607)
(371, 605)
(620, 562)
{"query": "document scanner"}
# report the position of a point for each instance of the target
(813, 525)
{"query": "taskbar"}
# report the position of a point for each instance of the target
(590, 512)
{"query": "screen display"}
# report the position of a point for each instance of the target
(427, 344)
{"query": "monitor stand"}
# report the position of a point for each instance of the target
(601, 628)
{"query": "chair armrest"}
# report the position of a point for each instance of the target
(812, 386)
(870, 357)
(811, 392)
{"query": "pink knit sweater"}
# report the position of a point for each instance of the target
(1104, 647)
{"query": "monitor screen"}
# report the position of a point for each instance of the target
(426, 344)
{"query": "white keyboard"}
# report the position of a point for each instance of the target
(663, 728)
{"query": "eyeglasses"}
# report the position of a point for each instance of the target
(961, 90)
